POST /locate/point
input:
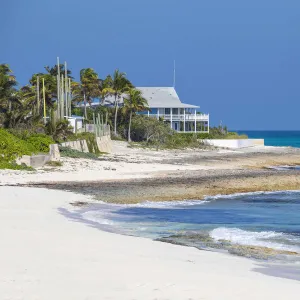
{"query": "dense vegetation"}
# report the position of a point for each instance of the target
(25, 130)
(14, 144)
(151, 132)
(23, 108)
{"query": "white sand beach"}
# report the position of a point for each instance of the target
(45, 255)
(131, 163)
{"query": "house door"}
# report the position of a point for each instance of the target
(176, 126)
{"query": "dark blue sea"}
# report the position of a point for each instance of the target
(275, 138)
(221, 223)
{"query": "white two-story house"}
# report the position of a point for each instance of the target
(164, 103)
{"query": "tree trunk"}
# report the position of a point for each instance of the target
(129, 127)
(116, 116)
(85, 113)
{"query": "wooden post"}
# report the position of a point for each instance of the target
(62, 103)
(44, 98)
(70, 98)
(38, 94)
(183, 119)
(195, 120)
(58, 90)
(66, 91)
(208, 124)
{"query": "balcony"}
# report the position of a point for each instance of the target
(181, 117)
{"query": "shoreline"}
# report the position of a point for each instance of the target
(131, 175)
(72, 252)
(100, 215)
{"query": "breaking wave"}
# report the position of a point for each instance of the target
(269, 239)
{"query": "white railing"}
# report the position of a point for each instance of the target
(188, 117)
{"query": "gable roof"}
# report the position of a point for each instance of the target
(159, 97)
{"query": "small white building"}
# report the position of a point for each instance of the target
(76, 122)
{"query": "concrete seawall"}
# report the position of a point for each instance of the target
(80, 145)
(234, 143)
(104, 144)
(34, 161)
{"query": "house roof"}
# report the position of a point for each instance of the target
(159, 97)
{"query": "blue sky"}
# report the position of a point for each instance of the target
(238, 60)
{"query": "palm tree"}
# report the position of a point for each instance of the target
(7, 87)
(88, 88)
(116, 86)
(134, 102)
(50, 87)
(28, 96)
(54, 71)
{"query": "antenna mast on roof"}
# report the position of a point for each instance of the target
(174, 78)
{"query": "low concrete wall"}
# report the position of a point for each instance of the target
(54, 152)
(258, 142)
(34, 161)
(235, 144)
(104, 143)
(79, 145)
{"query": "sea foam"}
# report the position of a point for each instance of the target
(258, 193)
(269, 239)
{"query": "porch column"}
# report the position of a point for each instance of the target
(148, 113)
(171, 110)
(184, 120)
(157, 113)
(195, 120)
(208, 124)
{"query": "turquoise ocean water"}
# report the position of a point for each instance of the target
(275, 138)
(221, 223)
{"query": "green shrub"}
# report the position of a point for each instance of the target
(40, 142)
(54, 163)
(11, 147)
(59, 130)
(14, 166)
(117, 137)
(90, 140)
(68, 152)
(155, 133)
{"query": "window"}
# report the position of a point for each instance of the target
(167, 111)
(175, 111)
(161, 111)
